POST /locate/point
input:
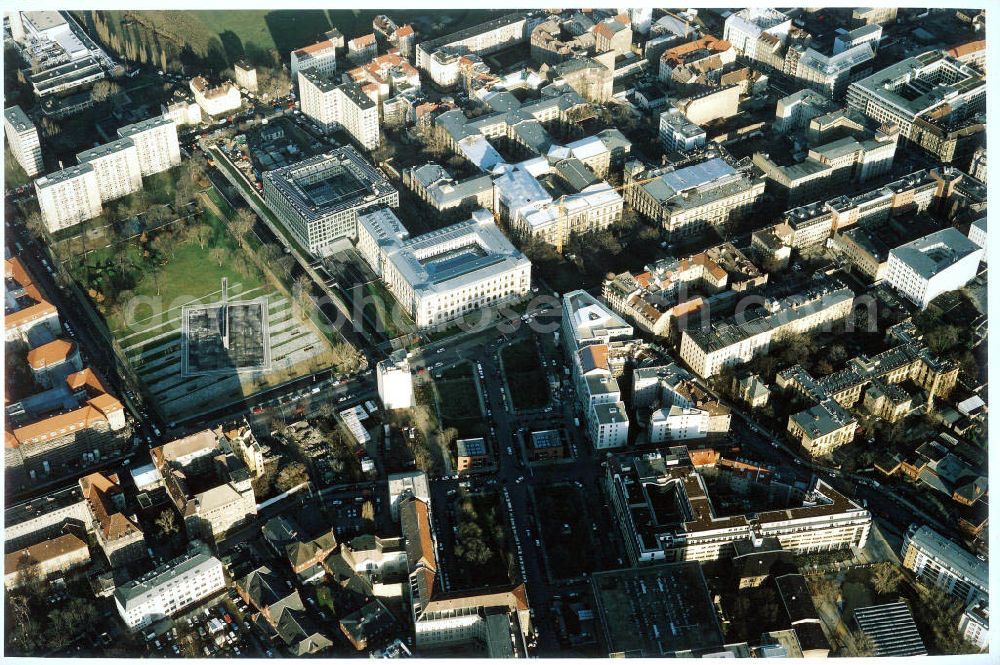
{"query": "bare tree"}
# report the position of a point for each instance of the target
(292, 475)
(166, 523)
(218, 254)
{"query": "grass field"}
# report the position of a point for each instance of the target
(188, 273)
(244, 32)
(13, 175)
(528, 384)
(458, 401)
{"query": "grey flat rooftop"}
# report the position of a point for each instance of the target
(936, 252)
(68, 173)
(104, 150)
(16, 116)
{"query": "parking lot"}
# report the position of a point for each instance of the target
(217, 629)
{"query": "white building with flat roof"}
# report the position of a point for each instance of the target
(334, 105)
(744, 27)
(116, 165)
(406, 485)
(677, 133)
(22, 139)
(170, 588)
(608, 425)
(395, 382)
(156, 144)
(68, 197)
(318, 199)
(320, 57)
(944, 564)
(447, 273)
(925, 268)
(216, 100)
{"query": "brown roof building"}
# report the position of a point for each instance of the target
(118, 536)
(47, 558)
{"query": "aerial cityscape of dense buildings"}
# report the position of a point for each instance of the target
(492, 333)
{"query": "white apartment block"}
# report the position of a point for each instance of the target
(730, 343)
(925, 268)
(447, 273)
(169, 588)
(344, 105)
(677, 133)
(745, 27)
(944, 564)
(320, 57)
(116, 165)
(677, 423)
(480, 39)
(22, 139)
(215, 101)
(245, 75)
(974, 624)
(69, 197)
(156, 143)
(608, 425)
(395, 383)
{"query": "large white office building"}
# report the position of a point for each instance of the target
(22, 139)
(170, 588)
(665, 512)
(116, 165)
(68, 197)
(335, 105)
(931, 85)
(927, 267)
(318, 199)
(155, 142)
(444, 274)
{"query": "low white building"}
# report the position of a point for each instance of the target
(395, 383)
(404, 485)
(170, 588)
(925, 268)
(219, 100)
(677, 133)
(977, 234)
(677, 423)
(445, 274)
(245, 75)
(974, 624)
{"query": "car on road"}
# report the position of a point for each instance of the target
(441, 350)
(510, 451)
